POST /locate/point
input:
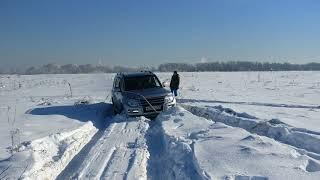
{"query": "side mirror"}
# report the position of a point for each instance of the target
(165, 84)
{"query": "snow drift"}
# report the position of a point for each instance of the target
(274, 128)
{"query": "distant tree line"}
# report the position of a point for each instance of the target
(167, 67)
(238, 66)
(82, 69)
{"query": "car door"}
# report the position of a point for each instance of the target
(116, 92)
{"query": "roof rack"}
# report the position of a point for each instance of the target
(147, 72)
(124, 73)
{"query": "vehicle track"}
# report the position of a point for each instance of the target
(127, 149)
(117, 152)
(250, 103)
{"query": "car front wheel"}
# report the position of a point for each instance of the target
(114, 108)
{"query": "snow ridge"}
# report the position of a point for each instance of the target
(51, 154)
(273, 128)
(171, 157)
(198, 148)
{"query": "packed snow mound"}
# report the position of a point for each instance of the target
(274, 128)
(214, 150)
(169, 159)
(22, 94)
(47, 157)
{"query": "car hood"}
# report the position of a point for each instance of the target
(151, 92)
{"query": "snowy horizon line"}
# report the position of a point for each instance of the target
(53, 68)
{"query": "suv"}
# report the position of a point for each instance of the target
(140, 94)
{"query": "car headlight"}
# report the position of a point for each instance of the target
(169, 99)
(132, 103)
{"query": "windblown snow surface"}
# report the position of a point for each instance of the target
(241, 125)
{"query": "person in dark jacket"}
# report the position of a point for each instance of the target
(174, 83)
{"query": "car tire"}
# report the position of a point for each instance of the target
(114, 108)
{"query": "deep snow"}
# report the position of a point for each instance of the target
(236, 125)
(217, 151)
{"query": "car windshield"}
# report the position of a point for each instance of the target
(141, 82)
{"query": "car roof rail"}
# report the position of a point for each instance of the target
(145, 71)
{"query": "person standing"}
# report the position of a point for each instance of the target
(174, 83)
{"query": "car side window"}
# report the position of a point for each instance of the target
(117, 83)
(121, 84)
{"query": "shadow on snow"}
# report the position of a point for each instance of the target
(96, 113)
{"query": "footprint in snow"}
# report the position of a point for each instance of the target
(247, 150)
(261, 143)
(258, 140)
(178, 126)
(199, 134)
(218, 137)
(249, 138)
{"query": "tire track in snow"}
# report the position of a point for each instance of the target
(157, 164)
(120, 153)
(72, 170)
(169, 159)
(130, 165)
(250, 103)
(97, 161)
(106, 162)
(119, 165)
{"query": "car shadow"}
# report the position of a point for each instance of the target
(96, 113)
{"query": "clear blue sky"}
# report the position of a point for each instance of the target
(150, 32)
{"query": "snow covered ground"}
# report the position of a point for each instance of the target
(228, 125)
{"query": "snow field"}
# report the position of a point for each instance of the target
(51, 126)
(218, 151)
(239, 125)
(46, 157)
(292, 97)
(300, 138)
(46, 90)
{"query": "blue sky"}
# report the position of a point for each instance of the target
(150, 32)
